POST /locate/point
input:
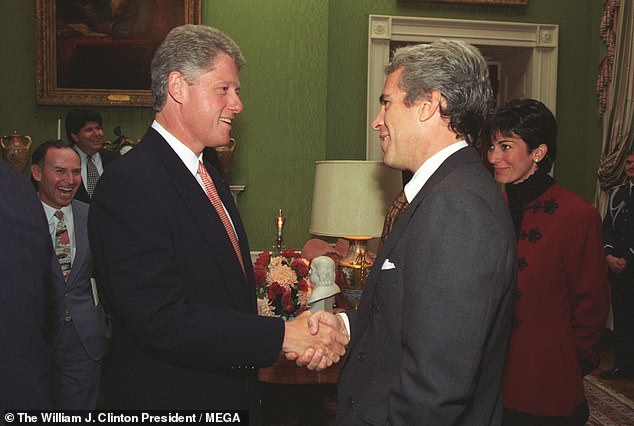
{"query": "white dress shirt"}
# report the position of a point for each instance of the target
(96, 159)
(68, 220)
(428, 168)
(188, 158)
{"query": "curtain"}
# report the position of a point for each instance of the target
(615, 89)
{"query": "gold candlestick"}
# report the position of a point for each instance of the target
(279, 223)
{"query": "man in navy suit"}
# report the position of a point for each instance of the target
(84, 130)
(25, 266)
(429, 338)
(77, 322)
(175, 265)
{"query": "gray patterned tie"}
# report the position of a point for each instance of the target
(92, 174)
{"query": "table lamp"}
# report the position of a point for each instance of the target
(350, 200)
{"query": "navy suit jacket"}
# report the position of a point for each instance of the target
(106, 158)
(429, 338)
(185, 333)
(76, 296)
(25, 267)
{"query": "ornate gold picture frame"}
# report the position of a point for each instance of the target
(479, 2)
(98, 52)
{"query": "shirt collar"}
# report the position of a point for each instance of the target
(428, 168)
(50, 212)
(83, 155)
(186, 155)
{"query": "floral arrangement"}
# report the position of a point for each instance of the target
(282, 286)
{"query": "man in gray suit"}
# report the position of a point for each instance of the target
(429, 338)
(78, 327)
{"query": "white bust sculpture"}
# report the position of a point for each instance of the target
(322, 277)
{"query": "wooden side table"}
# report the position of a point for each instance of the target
(288, 373)
(293, 395)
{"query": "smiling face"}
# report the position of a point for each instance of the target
(209, 105)
(59, 177)
(89, 138)
(398, 126)
(512, 160)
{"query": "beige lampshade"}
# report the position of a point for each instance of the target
(351, 198)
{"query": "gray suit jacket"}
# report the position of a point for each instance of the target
(76, 295)
(429, 338)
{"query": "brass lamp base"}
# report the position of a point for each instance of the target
(357, 262)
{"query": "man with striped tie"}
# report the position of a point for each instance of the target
(172, 253)
(78, 332)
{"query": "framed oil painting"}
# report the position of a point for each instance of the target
(480, 2)
(98, 52)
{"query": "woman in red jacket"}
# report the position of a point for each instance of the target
(562, 293)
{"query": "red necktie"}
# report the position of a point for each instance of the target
(213, 196)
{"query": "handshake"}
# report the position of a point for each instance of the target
(315, 340)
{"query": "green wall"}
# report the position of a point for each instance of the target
(304, 89)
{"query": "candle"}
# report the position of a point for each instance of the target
(279, 222)
(59, 128)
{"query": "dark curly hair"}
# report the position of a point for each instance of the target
(528, 119)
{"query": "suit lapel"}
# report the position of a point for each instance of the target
(82, 194)
(57, 271)
(449, 165)
(81, 241)
(207, 220)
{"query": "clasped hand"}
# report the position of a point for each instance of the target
(315, 340)
(616, 264)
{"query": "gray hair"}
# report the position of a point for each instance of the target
(454, 68)
(192, 51)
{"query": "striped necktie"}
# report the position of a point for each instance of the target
(62, 244)
(213, 196)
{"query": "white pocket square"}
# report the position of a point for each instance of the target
(387, 265)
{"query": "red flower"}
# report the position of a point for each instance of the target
(263, 259)
(290, 253)
(289, 308)
(303, 285)
(283, 300)
(287, 299)
(300, 267)
(274, 290)
(259, 271)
